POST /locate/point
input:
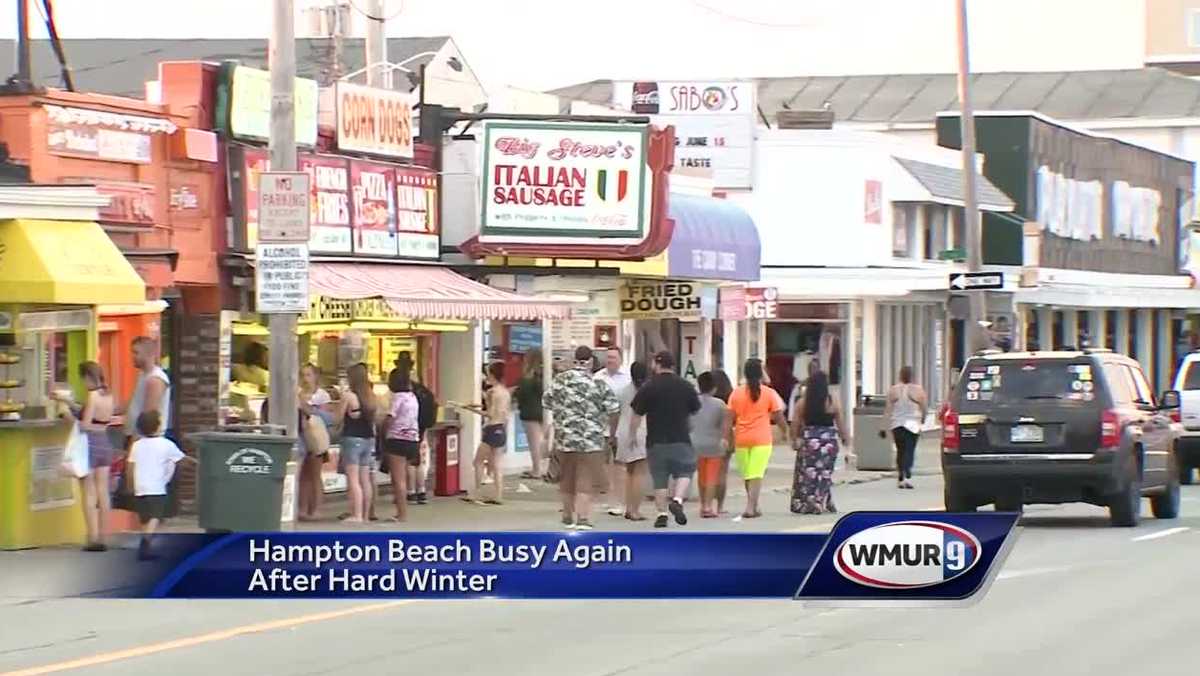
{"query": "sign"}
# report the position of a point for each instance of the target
(129, 203)
(372, 190)
(714, 125)
(281, 278)
(732, 303)
(694, 357)
(976, 280)
(250, 106)
(329, 203)
(543, 181)
(762, 303)
(524, 338)
(283, 206)
(374, 121)
(417, 228)
(49, 488)
(97, 143)
(873, 202)
(661, 300)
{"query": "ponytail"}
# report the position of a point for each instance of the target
(754, 377)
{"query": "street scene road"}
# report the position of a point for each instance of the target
(1076, 596)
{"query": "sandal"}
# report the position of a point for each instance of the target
(705, 514)
(491, 501)
(632, 517)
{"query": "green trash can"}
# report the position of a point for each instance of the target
(242, 472)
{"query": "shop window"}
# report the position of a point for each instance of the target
(937, 231)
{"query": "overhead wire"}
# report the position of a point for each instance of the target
(372, 17)
(752, 22)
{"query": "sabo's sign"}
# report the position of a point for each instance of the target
(661, 300)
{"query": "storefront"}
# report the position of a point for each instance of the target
(1096, 255)
(54, 274)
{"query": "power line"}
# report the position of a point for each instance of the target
(372, 17)
(751, 22)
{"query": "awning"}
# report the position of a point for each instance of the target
(64, 262)
(945, 185)
(713, 239)
(428, 292)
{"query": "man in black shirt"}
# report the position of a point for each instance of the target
(667, 402)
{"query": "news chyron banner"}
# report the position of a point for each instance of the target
(869, 558)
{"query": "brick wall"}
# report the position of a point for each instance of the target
(198, 390)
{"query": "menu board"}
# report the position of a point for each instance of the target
(416, 213)
(329, 203)
(372, 188)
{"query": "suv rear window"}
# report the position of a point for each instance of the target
(986, 383)
(1191, 376)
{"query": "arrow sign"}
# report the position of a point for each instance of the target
(962, 281)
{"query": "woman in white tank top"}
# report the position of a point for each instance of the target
(905, 413)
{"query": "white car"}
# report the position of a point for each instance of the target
(1187, 383)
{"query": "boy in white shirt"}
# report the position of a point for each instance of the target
(151, 463)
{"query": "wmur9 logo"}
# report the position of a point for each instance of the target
(907, 555)
(887, 558)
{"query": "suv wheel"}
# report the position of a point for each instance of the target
(1125, 507)
(1166, 504)
(956, 502)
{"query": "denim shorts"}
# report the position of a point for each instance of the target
(358, 451)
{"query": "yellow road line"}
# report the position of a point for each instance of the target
(200, 639)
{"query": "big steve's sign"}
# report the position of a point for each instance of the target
(584, 182)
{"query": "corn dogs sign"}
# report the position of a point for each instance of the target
(374, 121)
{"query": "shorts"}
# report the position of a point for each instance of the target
(752, 461)
(150, 507)
(708, 471)
(358, 451)
(670, 460)
(580, 473)
(409, 450)
(495, 436)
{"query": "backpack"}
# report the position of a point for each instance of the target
(427, 407)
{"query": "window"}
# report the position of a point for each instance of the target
(1192, 26)
(1144, 395)
(902, 223)
(1120, 386)
(1191, 376)
(937, 230)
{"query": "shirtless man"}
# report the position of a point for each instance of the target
(490, 454)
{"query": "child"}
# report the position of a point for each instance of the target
(709, 431)
(151, 463)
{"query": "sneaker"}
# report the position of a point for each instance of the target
(676, 508)
(583, 524)
(661, 521)
(568, 522)
(422, 498)
(412, 498)
(613, 511)
(908, 484)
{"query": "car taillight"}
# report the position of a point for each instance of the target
(950, 431)
(1110, 429)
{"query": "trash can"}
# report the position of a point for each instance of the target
(872, 438)
(242, 473)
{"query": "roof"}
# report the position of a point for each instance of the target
(116, 66)
(906, 99)
(946, 183)
(1051, 354)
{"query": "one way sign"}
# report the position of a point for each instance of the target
(962, 281)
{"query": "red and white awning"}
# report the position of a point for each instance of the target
(429, 292)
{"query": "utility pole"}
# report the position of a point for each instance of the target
(977, 336)
(282, 62)
(378, 73)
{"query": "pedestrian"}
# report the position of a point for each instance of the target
(151, 391)
(816, 427)
(489, 456)
(312, 401)
(710, 438)
(582, 410)
(617, 378)
(529, 408)
(94, 415)
(402, 439)
(905, 410)
(361, 407)
(151, 463)
(755, 407)
(724, 388)
(631, 450)
(427, 416)
(667, 402)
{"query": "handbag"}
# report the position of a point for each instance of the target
(316, 435)
(75, 454)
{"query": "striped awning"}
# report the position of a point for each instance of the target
(429, 292)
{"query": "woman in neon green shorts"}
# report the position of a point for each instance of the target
(755, 407)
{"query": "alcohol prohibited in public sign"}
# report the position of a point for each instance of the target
(960, 281)
(283, 206)
(281, 278)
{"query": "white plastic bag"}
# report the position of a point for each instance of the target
(75, 455)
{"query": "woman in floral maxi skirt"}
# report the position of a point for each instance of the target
(816, 427)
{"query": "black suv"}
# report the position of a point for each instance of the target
(1055, 427)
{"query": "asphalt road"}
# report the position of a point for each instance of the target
(1075, 597)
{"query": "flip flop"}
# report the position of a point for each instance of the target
(528, 475)
(708, 515)
(639, 517)
(491, 502)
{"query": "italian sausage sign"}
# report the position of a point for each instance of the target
(564, 180)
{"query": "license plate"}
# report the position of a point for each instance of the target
(1027, 434)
